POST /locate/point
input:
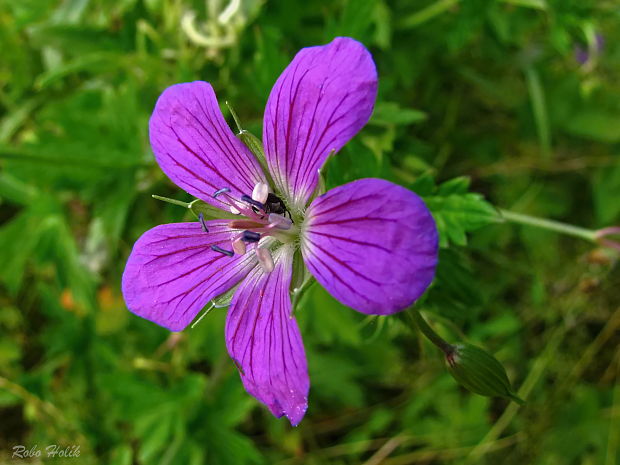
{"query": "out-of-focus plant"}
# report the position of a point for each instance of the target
(480, 104)
(223, 25)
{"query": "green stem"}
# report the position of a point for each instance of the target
(428, 13)
(430, 333)
(562, 228)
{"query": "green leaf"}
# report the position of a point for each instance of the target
(387, 113)
(96, 62)
(596, 125)
(458, 185)
(16, 248)
(539, 107)
(457, 212)
(356, 19)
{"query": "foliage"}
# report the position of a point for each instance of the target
(481, 103)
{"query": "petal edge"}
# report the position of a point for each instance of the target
(319, 102)
(372, 244)
(264, 341)
(172, 273)
(195, 147)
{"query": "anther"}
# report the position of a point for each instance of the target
(279, 221)
(216, 248)
(221, 191)
(251, 201)
(203, 223)
(239, 246)
(245, 224)
(265, 259)
(260, 192)
(250, 236)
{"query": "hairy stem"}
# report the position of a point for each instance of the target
(543, 223)
(432, 336)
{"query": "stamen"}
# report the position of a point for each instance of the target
(201, 218)
(260, 192)
(265, 259)
(217, 248)
(250, 236)
(280, 221)
(239, 246)
(236, 207)
(223, 190)
(251, 201)
(246, 206)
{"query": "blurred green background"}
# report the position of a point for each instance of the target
(520, 96)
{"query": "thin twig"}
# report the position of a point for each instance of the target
(385, 450)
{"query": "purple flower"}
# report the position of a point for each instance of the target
(371, 244)
(595, 48)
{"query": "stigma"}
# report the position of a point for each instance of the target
(261, 215)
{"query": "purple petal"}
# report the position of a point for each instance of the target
(172, 273)
(371, 244)
(264, 341)
(581, 55)
(321, 100)
(195, 147)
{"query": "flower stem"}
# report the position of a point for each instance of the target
(543, 223)
(432, 336)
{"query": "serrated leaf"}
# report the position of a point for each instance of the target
(458, 214)
(424, 185)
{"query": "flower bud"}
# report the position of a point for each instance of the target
(479, 372)
(603, 237)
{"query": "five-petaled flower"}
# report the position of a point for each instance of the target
(370, 243)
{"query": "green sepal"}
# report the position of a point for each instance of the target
(321, 186)
(180, 203)
(253, 143)
(209, 212)
(300, 272)
(479, 372)
(301, 281)
(223, 300)
(299, 295)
